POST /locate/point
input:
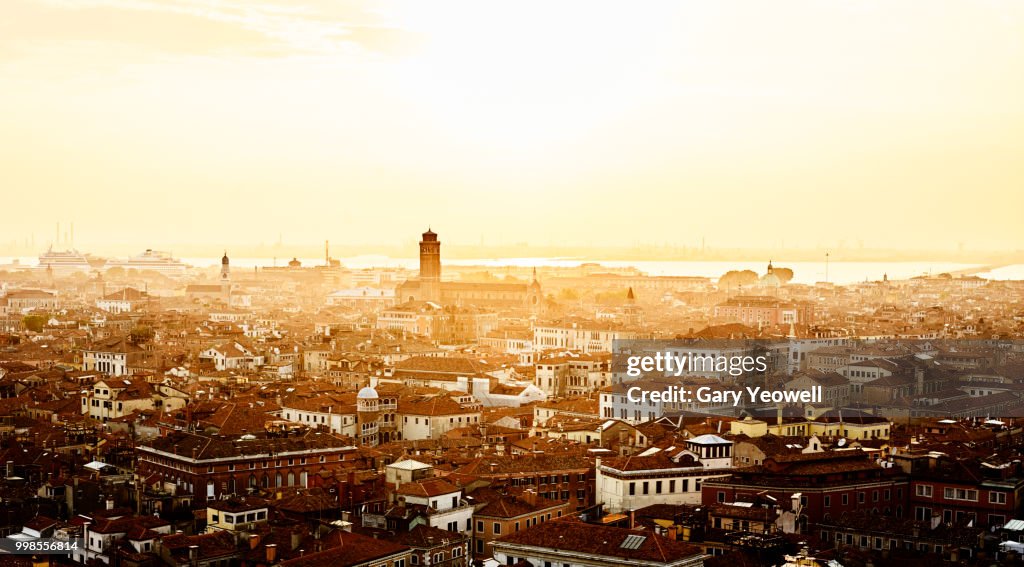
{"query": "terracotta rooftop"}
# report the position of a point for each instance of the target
(570, 534)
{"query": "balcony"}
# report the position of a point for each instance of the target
(436, 513)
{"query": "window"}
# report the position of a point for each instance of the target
(721, 496)
(497, 528)
(846, 499)
(479, 526)
(632, 488)
(997, 498)
(671, 486)
(924, 490)
(828, 501)
(960, 494)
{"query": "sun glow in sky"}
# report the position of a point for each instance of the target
(746, 123)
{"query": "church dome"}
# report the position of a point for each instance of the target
(367, 393)
(224, 260)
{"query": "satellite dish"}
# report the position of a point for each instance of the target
(841, 443)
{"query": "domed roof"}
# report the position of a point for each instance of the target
(771, 280)
(224, 260)
(367, 393)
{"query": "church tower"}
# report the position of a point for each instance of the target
(430, 267)
(534, 297)
(225, 278)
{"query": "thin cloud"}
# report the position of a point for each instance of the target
(193, 27)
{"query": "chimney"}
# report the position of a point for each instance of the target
(530, 497)
(254, 541)
(193, 553)
(271, 553)
(632, 519)
(110, 503)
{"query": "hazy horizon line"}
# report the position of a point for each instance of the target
(637, 252)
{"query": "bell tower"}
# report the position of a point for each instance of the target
(225, 277)
(430, 267)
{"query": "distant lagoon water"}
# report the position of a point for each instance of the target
(803, 272)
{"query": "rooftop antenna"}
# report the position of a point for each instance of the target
(826, 267)
(327, 252)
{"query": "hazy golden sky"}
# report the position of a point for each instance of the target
(749, 123)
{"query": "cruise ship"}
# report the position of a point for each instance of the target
(161, 262)
(63, 262)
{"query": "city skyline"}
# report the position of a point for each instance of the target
(185, 122)
(393, 283)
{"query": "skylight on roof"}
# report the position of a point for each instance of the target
(633, 542)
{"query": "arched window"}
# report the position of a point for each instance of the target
(291, 479)
(278, 483)
(265, 482)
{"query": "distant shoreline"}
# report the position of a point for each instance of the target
(454, 251)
